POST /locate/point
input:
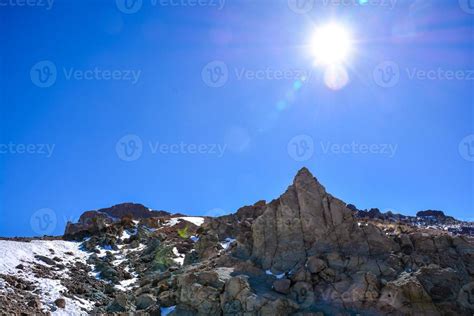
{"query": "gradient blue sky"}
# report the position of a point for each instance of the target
(256, 120)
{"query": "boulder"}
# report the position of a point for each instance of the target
(60, 302)
(282, 286)
(315, 264)
(120, 304)
(144, 301)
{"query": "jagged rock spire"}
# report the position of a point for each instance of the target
(303, 221)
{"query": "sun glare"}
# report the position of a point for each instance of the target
(331, 45)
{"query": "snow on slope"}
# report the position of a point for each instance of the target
(13, 253)
(198, 221)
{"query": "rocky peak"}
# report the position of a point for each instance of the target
(427, 213)
(303, 221)
(94, 221)
(137, 211)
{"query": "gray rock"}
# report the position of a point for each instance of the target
(144, 301)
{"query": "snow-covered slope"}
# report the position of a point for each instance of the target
(20, 259)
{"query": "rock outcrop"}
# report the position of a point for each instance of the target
(92, 222)
(306, 220)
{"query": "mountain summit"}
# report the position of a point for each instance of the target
(304, 253)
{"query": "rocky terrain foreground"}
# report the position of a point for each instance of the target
(305, 253)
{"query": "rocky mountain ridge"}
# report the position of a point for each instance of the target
(304, 253)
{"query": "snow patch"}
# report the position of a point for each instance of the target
(165, 311)
(198, 221)
(278, 276)
(228, 241)
(179, 257)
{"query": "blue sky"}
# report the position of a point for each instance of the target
(203, 109)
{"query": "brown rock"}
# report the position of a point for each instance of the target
(316, 265)
(306, 219)
(60, 302)
(34, 303)
(282, 286)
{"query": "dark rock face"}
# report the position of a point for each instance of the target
(431, 213)
(92, 222)
(137, 211)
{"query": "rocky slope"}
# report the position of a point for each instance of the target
(305, 253)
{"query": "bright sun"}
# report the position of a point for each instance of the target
(331, 45)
